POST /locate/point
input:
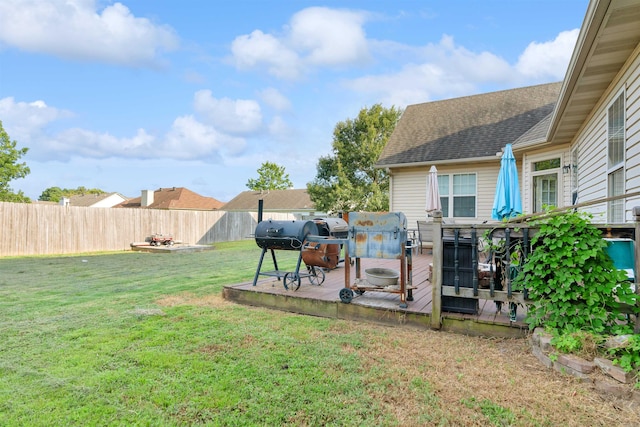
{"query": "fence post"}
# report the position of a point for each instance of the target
(436, 272)
(636, 247)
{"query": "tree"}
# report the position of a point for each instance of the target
(54, 194)
(348, 180)
(10, 168)
(270, 177)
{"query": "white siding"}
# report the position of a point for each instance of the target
(409, 187)
(592, 146)
(633, 137)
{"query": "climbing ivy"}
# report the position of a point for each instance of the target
(571, 280)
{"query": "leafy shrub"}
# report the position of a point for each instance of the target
(572, 282)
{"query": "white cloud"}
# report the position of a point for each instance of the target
(30, 124)
(240, 116)
(84, 143)
(329, 37)
(259, 49)
(191, 139)
(75, 29)
(315, 37)
(21, 119)
(275, 99)
(446, 70)
(548, 59)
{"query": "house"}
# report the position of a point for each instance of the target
(574, 141)
(174, 198)
(463, 138)
(104, 200)
(294, 201)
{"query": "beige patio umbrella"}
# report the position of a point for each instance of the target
(433, 193)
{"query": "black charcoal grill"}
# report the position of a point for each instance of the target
(289, 236)
(284, 235)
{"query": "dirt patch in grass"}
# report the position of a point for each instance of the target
(194, 300)
(485, 381)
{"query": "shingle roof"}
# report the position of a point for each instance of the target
(536, 134)
(272, 200)
(176, 198)
(468, 127)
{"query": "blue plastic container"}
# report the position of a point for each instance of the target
(623, 256)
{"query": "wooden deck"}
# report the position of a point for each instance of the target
(375, 306)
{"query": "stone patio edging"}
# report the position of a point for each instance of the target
(614, 381)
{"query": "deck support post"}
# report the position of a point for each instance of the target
(436, 272)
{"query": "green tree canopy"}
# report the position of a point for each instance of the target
(347, 180)
(54, 194)
(11, 168)
(270, 177)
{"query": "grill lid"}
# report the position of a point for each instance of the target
(285, 235)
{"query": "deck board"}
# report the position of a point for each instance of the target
(328, 292)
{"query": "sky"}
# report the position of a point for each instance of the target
(145, 94)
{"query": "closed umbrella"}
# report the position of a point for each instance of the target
(433, 193)
(507, 202)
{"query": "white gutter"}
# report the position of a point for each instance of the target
(442, 162)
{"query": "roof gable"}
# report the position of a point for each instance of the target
(294, 199)
(176, 198)
(88, 200)
(468, 127)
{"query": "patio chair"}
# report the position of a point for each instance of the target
(425, 235)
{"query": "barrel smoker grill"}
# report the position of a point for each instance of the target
(289, 236)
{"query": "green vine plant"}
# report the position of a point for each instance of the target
(572, 283)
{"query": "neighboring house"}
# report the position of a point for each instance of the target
(463, 138)
(296, 202)
(575, 141)
(104, 200)
(172, 198)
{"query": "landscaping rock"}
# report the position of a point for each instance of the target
(613, 371)
(576, 363)
(542, 357)
(617, 341)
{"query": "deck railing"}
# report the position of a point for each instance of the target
(497, 251)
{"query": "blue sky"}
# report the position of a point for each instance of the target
(142, 94)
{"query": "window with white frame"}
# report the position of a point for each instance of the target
(615, 159)
(458, 194)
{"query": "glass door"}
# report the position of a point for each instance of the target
(545, 191)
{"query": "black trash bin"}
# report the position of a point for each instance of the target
(465, 274)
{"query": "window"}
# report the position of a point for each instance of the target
(615, 163)
(545, 183)
(458, 195)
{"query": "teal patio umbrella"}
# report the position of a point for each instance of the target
(507, 202)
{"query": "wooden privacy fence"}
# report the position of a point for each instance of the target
(35, 229)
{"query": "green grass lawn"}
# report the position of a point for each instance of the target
(146, 339)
